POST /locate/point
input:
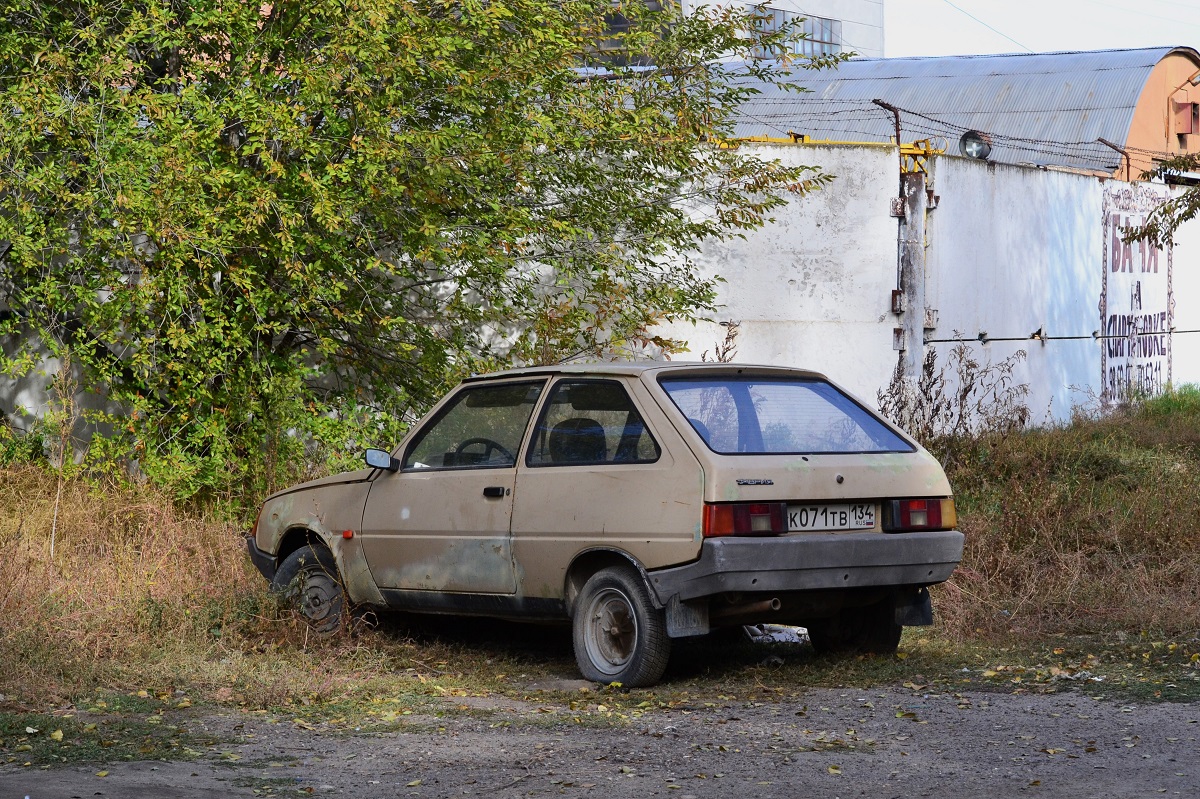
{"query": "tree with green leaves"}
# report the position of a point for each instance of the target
(260, 228)
(1162, 223)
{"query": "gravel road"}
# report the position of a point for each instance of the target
(889, 742)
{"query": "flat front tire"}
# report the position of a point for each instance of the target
(308, 581)
(619, 636)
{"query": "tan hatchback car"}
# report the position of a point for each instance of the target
(641, 502)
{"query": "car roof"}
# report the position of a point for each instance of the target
(639, 368)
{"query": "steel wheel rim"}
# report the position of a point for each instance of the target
(611, 632)
(317, 594)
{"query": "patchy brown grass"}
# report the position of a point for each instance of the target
(114, 586)
(1088, 528)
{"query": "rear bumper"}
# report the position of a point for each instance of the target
(812, 563)
(262, 561)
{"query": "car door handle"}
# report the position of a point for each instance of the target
(494, 492)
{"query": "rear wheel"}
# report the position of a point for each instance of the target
(308, 581)
(868, 630)
(619, 635)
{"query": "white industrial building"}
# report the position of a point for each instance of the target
(918, 247)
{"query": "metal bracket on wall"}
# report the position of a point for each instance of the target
(915, 157)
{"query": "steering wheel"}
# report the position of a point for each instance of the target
(489, 446)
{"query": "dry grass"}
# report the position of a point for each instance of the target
(1092, 527)
(115, 587)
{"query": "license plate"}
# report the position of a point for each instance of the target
(855, 516)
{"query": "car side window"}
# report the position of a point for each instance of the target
(481, 428)
(591, 422)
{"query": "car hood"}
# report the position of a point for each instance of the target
(357, 476)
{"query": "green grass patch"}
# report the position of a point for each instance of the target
(1183, 401)
(34, 739)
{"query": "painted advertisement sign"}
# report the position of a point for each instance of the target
(1136, 303)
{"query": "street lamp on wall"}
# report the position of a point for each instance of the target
(975, 144)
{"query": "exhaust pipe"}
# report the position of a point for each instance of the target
(747, 609)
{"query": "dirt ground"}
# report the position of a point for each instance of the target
(891, 742)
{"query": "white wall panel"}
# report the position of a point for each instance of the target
(813, 289)
(1010, 251)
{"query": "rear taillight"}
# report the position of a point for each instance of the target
(745, 518)
(921, 514)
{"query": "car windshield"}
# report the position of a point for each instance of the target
(740, 414)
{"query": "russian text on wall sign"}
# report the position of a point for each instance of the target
(1136, 302)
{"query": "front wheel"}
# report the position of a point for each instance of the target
(308, 582)
(868, 630)
(619, 635)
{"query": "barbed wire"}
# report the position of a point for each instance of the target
(836, 119)
(984, 338)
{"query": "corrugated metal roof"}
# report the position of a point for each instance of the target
(1041, 108)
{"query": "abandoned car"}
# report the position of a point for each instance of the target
(640, 502)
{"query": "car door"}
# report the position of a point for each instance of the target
(599, 474)
(442, 521)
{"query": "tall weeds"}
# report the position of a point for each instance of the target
(948, 407)
(1090, 527)
(108, 586)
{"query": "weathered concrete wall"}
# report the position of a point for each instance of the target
(813, 289)
(1186, 283)
(1010, 252)
(1013, 251)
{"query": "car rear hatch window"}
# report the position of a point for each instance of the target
(757, 415)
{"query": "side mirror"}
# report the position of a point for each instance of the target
(378, 459)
